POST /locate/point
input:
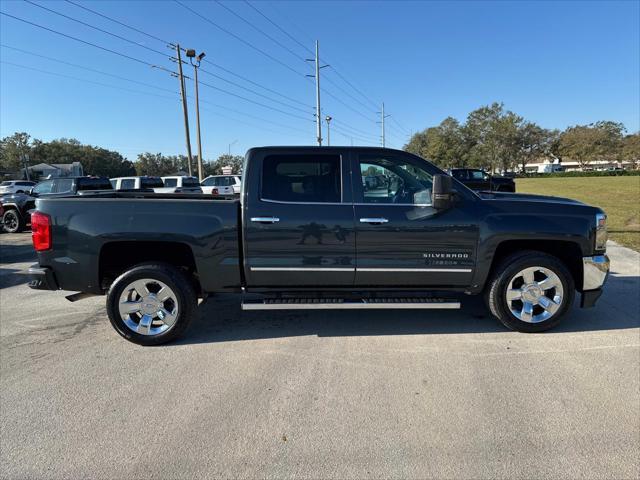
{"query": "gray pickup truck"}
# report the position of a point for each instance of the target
(307, 234)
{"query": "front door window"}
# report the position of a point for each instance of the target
(394, 181)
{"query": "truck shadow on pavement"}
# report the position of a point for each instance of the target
(220, 319)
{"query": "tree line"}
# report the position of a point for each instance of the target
(21, 149)
(498, 139)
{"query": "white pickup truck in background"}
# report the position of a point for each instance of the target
(222, 184)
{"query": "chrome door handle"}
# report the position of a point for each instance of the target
(374, 220)
(265, 219)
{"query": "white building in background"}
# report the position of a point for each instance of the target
(549, 165)
(55, 170)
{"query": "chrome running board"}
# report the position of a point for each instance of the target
(342, 304)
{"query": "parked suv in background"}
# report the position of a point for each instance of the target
(15, 186)
(16, 207)
(224, 184)
(179, 184)
(136, 183)
(480, 180)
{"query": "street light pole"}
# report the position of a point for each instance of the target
(328, 119)
(192, 54)
(184, 108)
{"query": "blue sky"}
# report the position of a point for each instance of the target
(556, 63)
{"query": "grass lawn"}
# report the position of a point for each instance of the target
(619, 197)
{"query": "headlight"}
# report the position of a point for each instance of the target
(601, 231)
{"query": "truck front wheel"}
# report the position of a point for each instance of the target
(530, 291)
(151, 304)
(12, 221)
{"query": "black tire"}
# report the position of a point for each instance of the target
(495, 294)
(174, 278)
(12, 221)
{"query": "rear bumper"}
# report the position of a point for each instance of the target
(42, 278)
(595, 271)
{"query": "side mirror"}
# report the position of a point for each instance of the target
(442, 192)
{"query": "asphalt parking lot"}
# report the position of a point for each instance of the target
(405, 394)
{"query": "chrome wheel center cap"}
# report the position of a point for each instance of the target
(532, 293)
(150, 305)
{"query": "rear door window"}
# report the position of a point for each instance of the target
(170, 182)
(302, 178)
(151, 182)
(63, 185)
(190, 182)
(127, 184)
(94, 183)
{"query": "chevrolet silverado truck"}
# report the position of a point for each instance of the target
(306, 234)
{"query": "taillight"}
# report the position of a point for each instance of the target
(214, 191)
(41, 231)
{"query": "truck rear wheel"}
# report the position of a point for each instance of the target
(530, 291)
(151, 304)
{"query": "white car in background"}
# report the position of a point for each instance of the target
(223, 184)
(16, 186)
(179, 184)
(136, 183)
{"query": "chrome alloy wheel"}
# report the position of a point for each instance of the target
(148, 307)
(534, 294)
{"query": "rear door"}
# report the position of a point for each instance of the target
(402, 241)
(298, 219)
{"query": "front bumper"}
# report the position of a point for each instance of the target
(42, 278)
(595, 271)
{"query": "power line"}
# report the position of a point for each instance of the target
(298, 56)
(173, 98)
(86, 80)
(85, 68)
(120, 23)
(356, 131)
(97, 28)
(179, 2)
(274, 40)
(374, 104)
(151, 65)
(159, 52)
(84, 41)
(254, 83)
(404, 130)
(240, 39)
(279, 28)
(254, 101)
(253, 91)
(166, 42)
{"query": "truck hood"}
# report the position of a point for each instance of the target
(526, 197)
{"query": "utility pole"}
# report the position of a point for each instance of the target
(318, 110)
(192, 54)
(184, 109)
(231, 144)
(382, 117)
(25, 163)
(328, 119)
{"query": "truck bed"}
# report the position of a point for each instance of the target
(203, 225)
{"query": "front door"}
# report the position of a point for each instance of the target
(298, 225)
(402, 241)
